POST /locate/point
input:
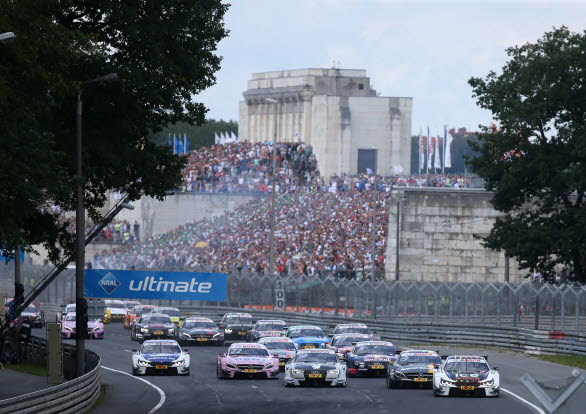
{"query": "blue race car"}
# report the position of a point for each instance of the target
(307, 336)
(371, 358)
(160, 357)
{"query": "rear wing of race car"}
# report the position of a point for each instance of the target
(447, 356)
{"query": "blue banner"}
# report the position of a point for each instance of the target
(130, 284)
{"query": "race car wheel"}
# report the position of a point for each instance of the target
(496, 395)
(342, 385)
(135, 372)
(219, 373)
(287, 385)
(435, 393)
(391, 383)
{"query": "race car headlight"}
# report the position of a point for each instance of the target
(186, 334)
(96, 328)
(179, 363)
(228, 330)
(334, 371)
(67, 328)
(217, 335)
(445, 383)
(358, 363)
(488, 383)
(269, 366)
(230, 365)
(144, 330)
(143, 363)
(399, 374)
(296, 371)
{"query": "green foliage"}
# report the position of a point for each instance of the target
(536, 163)
(199, 135)
(29, 368)
(163, 53)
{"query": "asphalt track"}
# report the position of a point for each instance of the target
(202, 392)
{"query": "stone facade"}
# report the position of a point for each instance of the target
(334, 110)
(436, 238)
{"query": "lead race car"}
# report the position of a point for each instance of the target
(160, 357)
(315, 367)
(307, 336)
(413, 367)
(371, 358)
(283, 348)
(466, 375)
(246, 360)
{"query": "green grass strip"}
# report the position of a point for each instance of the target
(571, 360)
(28, 368)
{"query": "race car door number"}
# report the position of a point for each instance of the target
(467, 388)
(161, 366)
(314, 375)
(377, 366)
(202, 339)
(420, 379)
(158, 333)
(251, 371)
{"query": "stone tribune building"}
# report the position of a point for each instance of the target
(337, 112)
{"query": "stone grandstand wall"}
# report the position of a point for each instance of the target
(436, 237)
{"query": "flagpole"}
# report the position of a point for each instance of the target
(427, 153)
(419, 150)
(444, 151)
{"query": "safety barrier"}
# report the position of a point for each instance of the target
(75, 396)
(515, 338)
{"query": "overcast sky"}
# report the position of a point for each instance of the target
(423, 49)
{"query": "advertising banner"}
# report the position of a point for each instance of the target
(131, 284)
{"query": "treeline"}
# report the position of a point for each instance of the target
(460, 150)
(199, 136)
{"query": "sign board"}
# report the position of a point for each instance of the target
(279, 294)
(54, 352)
(131, 284)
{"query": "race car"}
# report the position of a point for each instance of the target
(307, 336)
(344, 343)
(236, 325)
(356, 328)
(370, 359)
(95, 327)
(65, 309)
(34, 316)
(200, 331)
(269, 327)
(466, 375)
(246, 360)
(131, 303)
(135, 312)
(160, 357)
(115, 311)
(284, 348)
(413, 367)
(315, 367)
(151, 326)
(173, 313)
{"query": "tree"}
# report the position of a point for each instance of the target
(199, 135)
(536, 162)
(163, 53)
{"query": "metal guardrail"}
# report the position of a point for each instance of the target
(75, 396)
(515, 338)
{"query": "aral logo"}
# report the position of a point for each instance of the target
(109, 283)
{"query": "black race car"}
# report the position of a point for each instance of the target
(35, 317)
(153, 326)
(413, 367)
(371, 359)
(266, 328)
(200, 331)
(236, 326)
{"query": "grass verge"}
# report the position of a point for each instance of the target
(29, 368)
(100, 398)
(571, 360)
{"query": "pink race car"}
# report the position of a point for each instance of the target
(95, 328)
(246, 360)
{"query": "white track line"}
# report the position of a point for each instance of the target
(536, 408)
(161, 392)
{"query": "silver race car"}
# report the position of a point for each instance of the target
(315, 367)
(160, 356)
(466, 375)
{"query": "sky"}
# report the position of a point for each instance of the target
(424, 49)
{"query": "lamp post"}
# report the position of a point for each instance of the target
(273, 195)
(81, 316)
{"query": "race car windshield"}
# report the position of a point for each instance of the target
(347, 341)
(161, 349)
(141, 311)
(466, 366)
(375, 350)
(280, 345)
(31, 309)
(70, 318)
(353, 329)
(298, 333)
(259, 352)
(269, 327)
(322, 358)
(200, 325)
(171, 312)
(418, 359)
(236, 319)
(116, 305)
(157, 319)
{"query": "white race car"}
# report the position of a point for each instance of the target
(160, 357)
(283, 348)
(465, 375)
(315, 367)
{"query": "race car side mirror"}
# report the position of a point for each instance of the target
(276, 355)
(134, 351)
(330, 335)
(436, 366)
(495, 368)
(186, 351)
(221, 354)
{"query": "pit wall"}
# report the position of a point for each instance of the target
(436, 237)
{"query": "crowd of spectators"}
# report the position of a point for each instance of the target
(117, 231)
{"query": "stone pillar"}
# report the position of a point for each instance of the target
(306, 122)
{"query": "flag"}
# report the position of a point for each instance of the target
(175, 146)
(428, 149)
(169, 140)
(448, 150)
(216, 139)
(186, 143)
(438, 157)
(421, 152)
(233, 136)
